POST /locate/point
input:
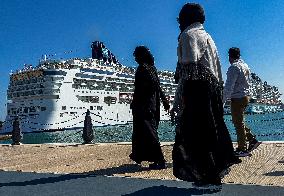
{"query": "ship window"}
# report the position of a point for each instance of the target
(63, 107)
(110, 100)
(73, 113)
(43, 108)
(19, 110)
(94, 99)
(32, 109)
(55, 73)
(26, 110)
(91, 107)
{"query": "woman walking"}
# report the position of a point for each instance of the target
(146, 111)
(203, 148)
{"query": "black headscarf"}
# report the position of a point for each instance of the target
(144, 58)
(189, 14)
(143, 55)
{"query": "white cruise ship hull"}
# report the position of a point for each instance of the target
(64, 99)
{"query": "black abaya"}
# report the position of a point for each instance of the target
(146, 117)
(203, 147)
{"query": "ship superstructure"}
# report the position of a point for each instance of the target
(264, 97)
(55, 95)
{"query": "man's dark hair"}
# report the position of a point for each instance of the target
(191, 13)
(234, 53)
(143, 55)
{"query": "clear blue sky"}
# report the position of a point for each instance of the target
(31, 28)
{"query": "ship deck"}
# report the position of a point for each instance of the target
(264, 167)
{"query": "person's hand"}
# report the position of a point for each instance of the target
(173, 115)
(166, 106)
(224, 102)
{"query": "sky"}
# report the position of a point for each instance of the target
(32, 28)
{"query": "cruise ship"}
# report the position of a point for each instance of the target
(56, 94)
(264, 97)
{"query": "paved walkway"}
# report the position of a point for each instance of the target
(42, 184)
(265, 167)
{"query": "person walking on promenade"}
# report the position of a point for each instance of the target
(203, 150)
(146, 111)
(237, 90)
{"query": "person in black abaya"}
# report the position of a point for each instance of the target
(203, 149)
(146, 111)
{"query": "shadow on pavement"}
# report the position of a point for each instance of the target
(275, 173)
(127, 168)
(47, 180)
(170, 191)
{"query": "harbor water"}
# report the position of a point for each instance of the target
(267, 127)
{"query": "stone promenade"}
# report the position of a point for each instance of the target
(264, 167)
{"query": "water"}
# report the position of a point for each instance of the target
(267, 127)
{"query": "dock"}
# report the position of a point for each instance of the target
(264, 167)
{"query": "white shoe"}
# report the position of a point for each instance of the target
(242, 153)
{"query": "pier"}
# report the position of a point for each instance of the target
(265, 166)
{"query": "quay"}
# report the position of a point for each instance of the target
(264, 167)
(104, 169)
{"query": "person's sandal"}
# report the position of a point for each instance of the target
(253, 144)
(242, 153)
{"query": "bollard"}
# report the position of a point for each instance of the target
(88, 133)
(16, 132)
